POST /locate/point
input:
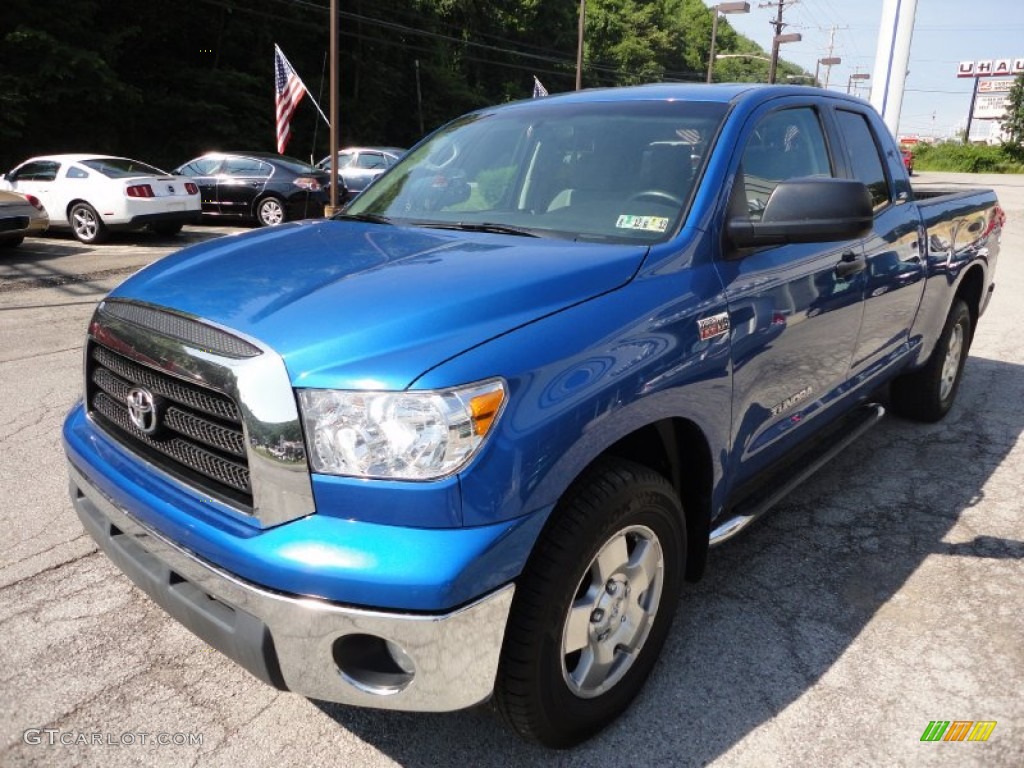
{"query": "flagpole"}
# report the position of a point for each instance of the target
(323, 70)
(308, 92)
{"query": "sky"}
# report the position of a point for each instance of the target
(946, 32)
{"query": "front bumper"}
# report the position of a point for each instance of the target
(446, 661)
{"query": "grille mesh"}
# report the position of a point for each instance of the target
(199, 436)
(197, 334)
(198, 398)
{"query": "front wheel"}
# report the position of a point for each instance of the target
(12, 242)
(270, 212)
(86, 224)
(928, 394)
(593, 605)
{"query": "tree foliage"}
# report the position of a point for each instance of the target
(166, 80)
(1013, 123)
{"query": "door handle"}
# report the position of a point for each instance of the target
(850, 263)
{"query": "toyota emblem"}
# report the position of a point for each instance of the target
(142, 409)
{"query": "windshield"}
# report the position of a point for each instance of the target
(122, 167)
(621, 172)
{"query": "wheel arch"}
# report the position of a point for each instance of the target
(677, 449)
(971, 289)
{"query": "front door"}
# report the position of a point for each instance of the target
(794, 317)
(240, 182)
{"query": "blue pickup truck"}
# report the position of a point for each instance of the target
(468, 438)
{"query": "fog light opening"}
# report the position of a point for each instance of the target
(372, 664)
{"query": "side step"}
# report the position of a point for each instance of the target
(756, 504)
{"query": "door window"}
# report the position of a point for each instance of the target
(370, 160)
(245, 166)
(867, 164)
(204, 166)
(788, 144)
(38, 170)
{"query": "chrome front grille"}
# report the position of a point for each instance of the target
(199, 435)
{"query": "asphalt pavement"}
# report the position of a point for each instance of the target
(885, 593)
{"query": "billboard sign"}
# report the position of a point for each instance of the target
(990, 107)
(990, 68)
(994, 86)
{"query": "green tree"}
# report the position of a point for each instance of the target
(1013, 123)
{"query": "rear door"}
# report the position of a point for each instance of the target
(894, 251)
(240, 182)
(793, 319)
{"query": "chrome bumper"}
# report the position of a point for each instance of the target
(410, 662)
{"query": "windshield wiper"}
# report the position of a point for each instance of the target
(483, 226)
(373, 218)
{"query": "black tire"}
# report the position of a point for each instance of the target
(617, 509)
(86, 224)
(927, 394)
(11, 242)
(270, 212)
(166, 229)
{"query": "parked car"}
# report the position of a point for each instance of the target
(20, 215)
(260, 186)
(94, 194)
(358, 166)
(908, 159)
(517, 390)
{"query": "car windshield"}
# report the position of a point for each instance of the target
(122, 167)
(620, 172)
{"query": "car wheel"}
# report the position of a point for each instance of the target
(12, 242)
(593, 606)
(270, 212)
(928, 394)
(166, 229)
(86, 223)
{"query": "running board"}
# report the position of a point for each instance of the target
(747, 512)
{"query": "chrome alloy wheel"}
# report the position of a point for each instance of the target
(613, 611)
(84, 222)
(271, 213)
(951, 365)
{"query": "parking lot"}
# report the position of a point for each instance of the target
(886, 593)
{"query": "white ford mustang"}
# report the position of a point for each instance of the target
(93, 194)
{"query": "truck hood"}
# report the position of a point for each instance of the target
(358, 305)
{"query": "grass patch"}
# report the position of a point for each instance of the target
(966, 158)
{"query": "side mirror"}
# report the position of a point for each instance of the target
(811, 210)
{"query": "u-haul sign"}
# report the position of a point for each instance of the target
(990, 68)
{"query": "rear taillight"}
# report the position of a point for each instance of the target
(191, 188)
(34, 201)
(306, 182)
(139, 190)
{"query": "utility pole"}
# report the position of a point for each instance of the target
(831, 48)
(779, 24)
(579, 45)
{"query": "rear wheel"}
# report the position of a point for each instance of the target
(593, 605)
(166, 229)
(270, 212)
(86, 223)
(928, 394)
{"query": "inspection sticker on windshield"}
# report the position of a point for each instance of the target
(646, 223)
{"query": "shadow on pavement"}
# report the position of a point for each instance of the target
(778, 606)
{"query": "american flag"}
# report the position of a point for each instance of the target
(539, 91)
(290, 91)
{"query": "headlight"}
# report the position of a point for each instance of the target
(398, 435)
